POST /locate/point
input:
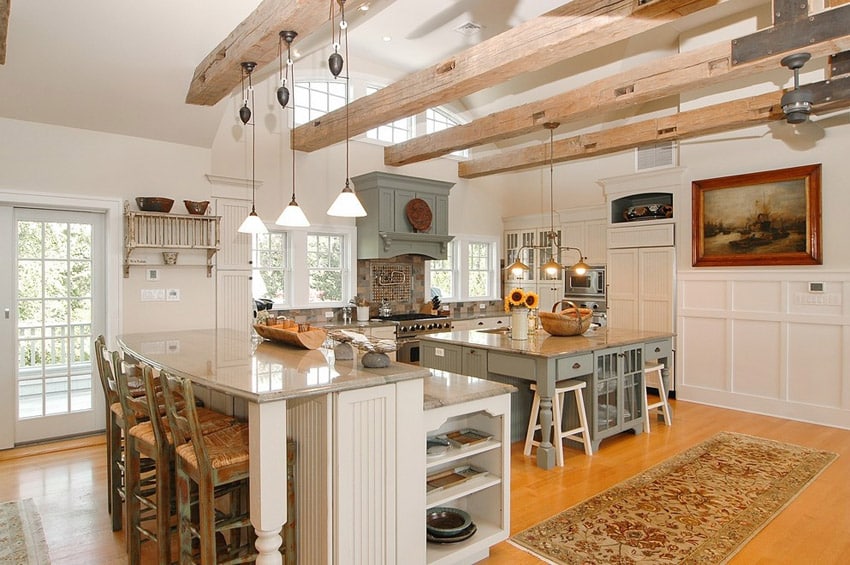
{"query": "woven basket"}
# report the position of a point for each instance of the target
(572, 321)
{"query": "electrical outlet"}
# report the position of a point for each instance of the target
(153, 295)
(172, 295)
(329, 315)
(482, 306)
(439, 352)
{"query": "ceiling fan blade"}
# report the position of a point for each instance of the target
(4, 28)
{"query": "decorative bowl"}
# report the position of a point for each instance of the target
(647, 212)
(154, 204)
(443, 521)
(198, 208)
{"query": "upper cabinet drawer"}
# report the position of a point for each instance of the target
(658, 235)
(575, 366)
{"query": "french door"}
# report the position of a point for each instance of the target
(53, 304)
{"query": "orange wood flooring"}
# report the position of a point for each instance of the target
(68, 482)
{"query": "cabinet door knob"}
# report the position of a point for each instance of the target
(576, 365)
(657, 349)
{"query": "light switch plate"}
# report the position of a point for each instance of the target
(329, 315)
(482, 306)
(172, 295)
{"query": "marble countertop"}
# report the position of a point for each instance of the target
(443, 388)
(230, 362)
(541, 344)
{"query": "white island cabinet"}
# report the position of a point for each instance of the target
(456, 403)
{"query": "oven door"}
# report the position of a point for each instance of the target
(407, 351)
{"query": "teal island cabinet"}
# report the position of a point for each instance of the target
(609, 360)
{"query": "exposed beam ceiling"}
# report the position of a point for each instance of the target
(4, 28)
(255, 39)
(575, 28)
(726, 116)
(685, 71)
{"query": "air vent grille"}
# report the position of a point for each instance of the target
(469, 28)
(663, 154)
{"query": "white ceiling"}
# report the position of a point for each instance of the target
(125, 67)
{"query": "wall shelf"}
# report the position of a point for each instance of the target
(169, 232)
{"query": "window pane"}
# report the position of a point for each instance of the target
(325, 261)
(270, 260)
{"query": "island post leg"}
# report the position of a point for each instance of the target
(267, 468)
(545, 451)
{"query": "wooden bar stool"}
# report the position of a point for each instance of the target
(213, 466)
(653, 377)
(115, 430)
(580, 434)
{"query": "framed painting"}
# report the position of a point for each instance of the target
(755, 219)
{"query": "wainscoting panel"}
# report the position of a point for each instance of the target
(766, 341)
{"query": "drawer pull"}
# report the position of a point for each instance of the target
(657, 349)
(576, 365)
(480, 323)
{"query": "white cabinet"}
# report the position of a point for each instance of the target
(486, 497)
(549, 288)
(641, 288)
(588, 235)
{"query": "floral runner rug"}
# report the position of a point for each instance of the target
(698, 507)
(21, 536)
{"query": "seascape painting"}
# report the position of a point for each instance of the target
(766, 218)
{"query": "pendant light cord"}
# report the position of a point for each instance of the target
(347, 85)
(291, 67)
(253, 147)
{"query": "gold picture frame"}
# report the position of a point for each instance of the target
(757, 219)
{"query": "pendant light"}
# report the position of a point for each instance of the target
(553, 243)
(347, 204)
(292, 215)
(253, 223)
(551, 267)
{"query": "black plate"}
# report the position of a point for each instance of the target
(464, 535)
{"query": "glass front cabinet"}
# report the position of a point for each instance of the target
(616, 399)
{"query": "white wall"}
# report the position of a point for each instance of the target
(49, 160)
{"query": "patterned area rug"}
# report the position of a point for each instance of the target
(21, 536)
(698, 507)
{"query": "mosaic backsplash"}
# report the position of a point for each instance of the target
(390, 281)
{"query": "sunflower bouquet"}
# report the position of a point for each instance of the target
(518, 298)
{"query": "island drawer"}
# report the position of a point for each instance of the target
(574, 366)
(657, 349)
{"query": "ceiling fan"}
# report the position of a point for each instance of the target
(799, 102)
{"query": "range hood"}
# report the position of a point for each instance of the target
(405, 216)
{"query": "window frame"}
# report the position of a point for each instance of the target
(460, 246)
(298, 289)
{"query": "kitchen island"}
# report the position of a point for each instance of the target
(358, 432)
(610, 361)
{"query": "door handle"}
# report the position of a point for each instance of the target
(6, 313)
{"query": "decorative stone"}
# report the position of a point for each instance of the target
(375, 360)
(343, 352)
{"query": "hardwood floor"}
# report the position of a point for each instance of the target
(67, 481)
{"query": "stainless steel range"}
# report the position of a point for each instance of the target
(408, 329)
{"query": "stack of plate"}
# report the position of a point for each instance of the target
(448, 525)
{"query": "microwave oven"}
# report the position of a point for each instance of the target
(591, 283)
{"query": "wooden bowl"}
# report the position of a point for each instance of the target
(198, 208)
(572, 321)
(154, 204)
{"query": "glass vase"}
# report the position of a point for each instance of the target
(519, 323)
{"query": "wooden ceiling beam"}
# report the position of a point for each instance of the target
(575, 28)
(726, 116)
(652, 81)
(255, 39)
(5, 5)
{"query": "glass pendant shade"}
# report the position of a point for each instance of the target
(347, 205)
(518, 268)
(581, 267)
(253, 224)
(552, 267)
(293, 216)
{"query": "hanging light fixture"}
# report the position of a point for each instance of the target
(553, 239)
(292, 215)
(253, 223)
(346, 204)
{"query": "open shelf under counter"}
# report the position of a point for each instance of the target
(471, 550)
(456, 453)
(443, 496)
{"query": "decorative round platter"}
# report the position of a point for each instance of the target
(418, 214)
